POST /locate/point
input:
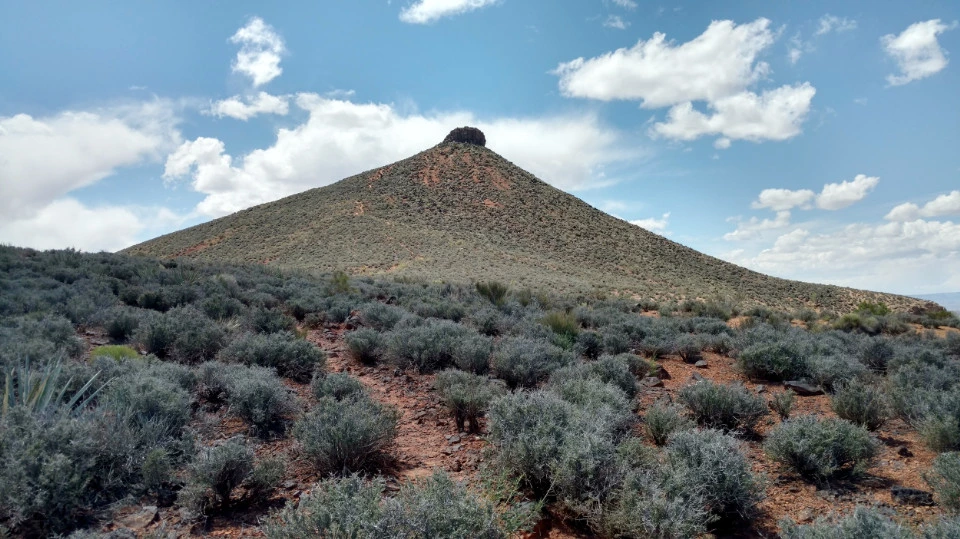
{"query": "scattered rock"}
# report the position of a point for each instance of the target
(702, 364)
(805, 515)
(660, 373)
(453, 439)
(289, 484)
(697, 377)
(651, 381)
(803, 388)
(141, 519)
(904, 452)
(760, 388)
(911, 496)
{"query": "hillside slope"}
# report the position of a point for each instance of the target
(460, 213)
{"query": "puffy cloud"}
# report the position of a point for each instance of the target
(783, 199)
(260, 51)
(831, 23)
(341, 138)
(916, 51)
(773, 115)
(44, 158)
(616, 21)
(835, 196)
(718, 63)
(753, 227)
(889, 257)
(948, 204)
(653, 224)
(68, 223)
(626, 4)
(427, 11)
(244, 108)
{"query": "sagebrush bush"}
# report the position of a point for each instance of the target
(438, 345)
(876, 354)
(782, 403)
(121, 323)
(655, 503)
(380, 316)
(522, 362)
(148, 402)
(830, 371)
(291, 357)
(606, 402)
(661, 421)
(944, 478)
(589, 344)
(467, 396)
(861, 403)
(183, 334)
(346, 435)
(773, 361)
(863, 522)
(613, 370)
(716, 462)
(263, 320)
(338, 386)
(722, 406)
(365, 345)
(821, 448)
(218, 470)
(259, 397)
(688, 347)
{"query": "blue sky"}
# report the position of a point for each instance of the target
(808, 140)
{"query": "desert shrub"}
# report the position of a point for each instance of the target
(688, 347)
(773, 361)
(380, 316)
(148, 402)
(438, 345)
(944, 478)
(259, 398)
(217, 471)
(291, 357)
(589, 344)
(638, 366)
(488, 321)
(121, 323)
(346, 435)
(467, 396)
(115, 352)
(723, 406)
(718, 344)
(655, 503)
(876, 353)
(157, 469)
(338, 386)
(365, 345)
(183, 334)
(221, 307)
(658, 341)
(863, 522)
(562, 323)
(830, 371)
(661, 421)
(821, 449)
(495, 292)
(782, 403)
(613, 370)
(861, 403)
(606, 402)
(262, 320)
(716, 462)
(214, 380)
(523, 362)
(353, 507)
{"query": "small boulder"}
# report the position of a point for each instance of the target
(651, 381)
(911, 496)
(702, 364)
(141, 519)
(803, 388)
(466, 135)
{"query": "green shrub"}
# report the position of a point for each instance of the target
(115, 352)
(655, 503)
(338, 386)
(864, 522)
(291, 357)
(613, 370)
(944, 478)
(346, 435)
(723, 406)
(157, 469)
(262, 320)
(661, 421)
(218, 470)
(523, 362)
(365, 345)
(561, 323)
(875, 309)
(782, 403)
(821, 449)
(605, 402)
(220, 307)
(830, 371)
(379, 316)
(876, 354)
(121, 323)
(148, 402)
(183, 334)
(467, 396)
(688, 347)
(335, 508)
(438, 345)
(716, 463)
(259, 398)
(861, 403)
(589, 344)
(773, 361)
(495, 292)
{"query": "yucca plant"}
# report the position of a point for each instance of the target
(41, 392)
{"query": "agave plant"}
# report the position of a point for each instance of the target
(40, 391)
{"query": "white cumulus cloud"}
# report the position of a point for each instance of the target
(427, 11)
(341, 138)
(948, 204)
(653, 224)
(783, 199)
(626, 4)
(916, 51)
(244, 108)
(44, 158)
(616, 21)
(835, 196)
(753, 227)
(260, 51)
(831, 23)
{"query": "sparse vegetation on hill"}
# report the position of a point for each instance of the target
(213, 409)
